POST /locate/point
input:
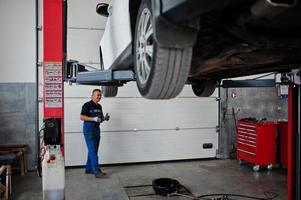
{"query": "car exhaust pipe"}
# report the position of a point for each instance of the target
(268, 9)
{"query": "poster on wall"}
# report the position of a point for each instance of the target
(53, 85)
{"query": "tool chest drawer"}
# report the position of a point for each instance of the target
(256, 142)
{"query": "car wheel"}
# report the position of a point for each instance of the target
(109, 91)
(165, 186)
(161, 72)
(204, 89)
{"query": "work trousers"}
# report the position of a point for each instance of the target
(92, 139)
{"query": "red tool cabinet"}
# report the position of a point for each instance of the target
(256, 143)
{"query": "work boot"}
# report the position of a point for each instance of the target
(88, 172)
(100, 175)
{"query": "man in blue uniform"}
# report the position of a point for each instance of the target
(92, 116)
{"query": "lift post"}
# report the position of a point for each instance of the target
(294, 122)
(54, 47)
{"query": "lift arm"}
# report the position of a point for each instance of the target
(86, 75)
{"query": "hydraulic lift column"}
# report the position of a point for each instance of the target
(294, 122)
(53, 166)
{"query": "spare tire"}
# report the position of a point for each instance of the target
(165, 186)
(109, 91)
(204, 88)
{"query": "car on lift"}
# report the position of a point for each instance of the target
(170, 43)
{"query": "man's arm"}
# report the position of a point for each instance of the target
(90, 119)
(86, 118)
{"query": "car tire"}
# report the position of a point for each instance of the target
(109, 91)
(204, 88)
(161, 72)
(165, 186)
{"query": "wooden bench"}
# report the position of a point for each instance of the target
(20, 150)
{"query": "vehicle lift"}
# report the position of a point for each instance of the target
(56, 70)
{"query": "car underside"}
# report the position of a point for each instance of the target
(201, 42)
(233, 42)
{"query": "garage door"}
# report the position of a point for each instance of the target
(139, 130)
(143, 130)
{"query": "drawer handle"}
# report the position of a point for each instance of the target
(254, 154)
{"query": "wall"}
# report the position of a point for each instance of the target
(238, 103)
(18, 72)
(17, 50)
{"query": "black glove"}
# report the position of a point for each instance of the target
(106, 117)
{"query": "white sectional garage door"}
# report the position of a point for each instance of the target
(143, 130)
(139, 130)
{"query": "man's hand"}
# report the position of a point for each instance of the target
(106, 117)
(97, 119)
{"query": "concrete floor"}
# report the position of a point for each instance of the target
(198, 176)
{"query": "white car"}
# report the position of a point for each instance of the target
(170, 43)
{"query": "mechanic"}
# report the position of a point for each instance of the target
(92, 116)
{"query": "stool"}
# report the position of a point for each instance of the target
(5, 174)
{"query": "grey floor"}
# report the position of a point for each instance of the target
(199, 177)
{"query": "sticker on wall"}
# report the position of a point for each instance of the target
(53, 88)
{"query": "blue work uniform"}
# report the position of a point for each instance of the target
(91, 132)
